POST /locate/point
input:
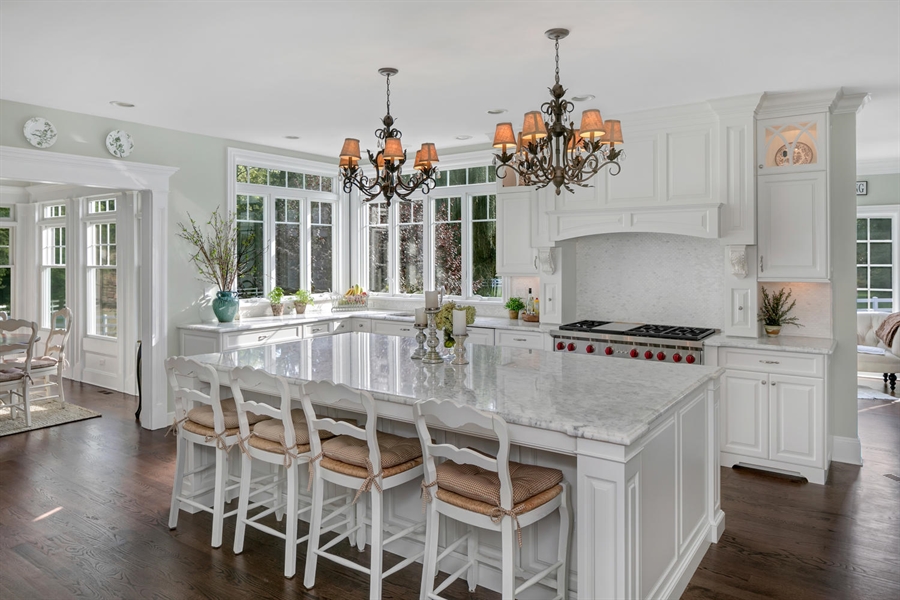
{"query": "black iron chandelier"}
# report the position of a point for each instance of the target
(389, 180)
(549, 151)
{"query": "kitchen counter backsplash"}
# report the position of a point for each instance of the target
(650, 277)
(813, 307)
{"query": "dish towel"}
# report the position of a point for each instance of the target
(888, 329)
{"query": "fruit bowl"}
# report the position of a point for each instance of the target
(354, 299)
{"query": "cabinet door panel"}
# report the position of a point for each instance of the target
(515, 255)
(792, 227)
(793, 144)
(795, 416)
(745, 414)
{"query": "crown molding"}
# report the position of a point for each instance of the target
(785, 104)
(878, 166)
(737, 106)
(850, 103)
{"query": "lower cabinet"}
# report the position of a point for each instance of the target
(774, 420)
(393, 328)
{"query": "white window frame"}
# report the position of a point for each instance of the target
(9, 223)
(47, 226)
(88, 221)
(892, 212)
(273, 161)
(466, 193)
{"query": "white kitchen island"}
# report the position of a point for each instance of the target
(637, 441)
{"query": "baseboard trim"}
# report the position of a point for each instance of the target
(846, 450)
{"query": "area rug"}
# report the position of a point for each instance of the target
(44, 415)
(867, 393)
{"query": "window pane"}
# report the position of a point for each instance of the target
(312, 182)
(325, 216)
(4, 237)
(4, 255)
(862, 280)
(57, 288)
(5, 289)
(241, 211)
(255, 208)
(250, 259)
(327, 184)
(321, 259)
(881, 253)
(277, 178)
(880, 278)
(862, 232)
(441, 180)
(242, 174)
(862, 254)
(5, 212)
(484, 259)
(378, 214)
(105, 302)
(259, 175)
(378, 259)
(477, 175)
(293, 211)
(879, 229)
(287, 257)
(448, 257)
(295, 180)
(412, 231)
(491, 174)
(458, 177)
(480, 207)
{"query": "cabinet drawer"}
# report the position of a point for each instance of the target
(362, 325)
(393, 328)
(341, 326)
(781, 362)
(257, 338)
(519, 339)
(317, 329)
(480, 336)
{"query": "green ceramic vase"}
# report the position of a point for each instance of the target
(225, 305)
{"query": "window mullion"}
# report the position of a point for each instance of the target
(466, 215)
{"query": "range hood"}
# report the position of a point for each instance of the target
(698, 220)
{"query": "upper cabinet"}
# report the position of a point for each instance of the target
(792, 144)
(515, 252)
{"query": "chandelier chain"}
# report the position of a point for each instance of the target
(389, 94)
(557, 61)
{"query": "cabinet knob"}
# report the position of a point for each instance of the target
(740, 308)
(773, 383)
(535, 263)
(760, 263)
(760, 166)
(764, 382)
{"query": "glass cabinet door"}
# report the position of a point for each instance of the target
(793, 144)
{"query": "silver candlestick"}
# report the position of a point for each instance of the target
(432, 356)
(419, 352)
(459, 350)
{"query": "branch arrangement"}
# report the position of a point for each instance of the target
(220, 257)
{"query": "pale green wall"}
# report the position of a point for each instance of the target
(882, 189)
(198, 187)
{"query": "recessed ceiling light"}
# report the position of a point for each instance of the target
(496, 111)
(121, 104)
(583, 98)
(464, 137)
(292, 137)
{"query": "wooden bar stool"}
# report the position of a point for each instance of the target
(487, 493)
(201, 418)
(348, 460)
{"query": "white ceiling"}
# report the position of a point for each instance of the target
(258, 71)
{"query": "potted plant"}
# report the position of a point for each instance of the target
(275, 297)
(514, 305)
(302, 298)
(221, 258)
(773, 313)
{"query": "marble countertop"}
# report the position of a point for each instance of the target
(606, 400)
(384, 315)
(781, 343)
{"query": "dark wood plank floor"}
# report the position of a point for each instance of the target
(109, 481)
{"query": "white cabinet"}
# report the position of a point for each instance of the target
(515, 256)
(361, 325)
(774, 412)
(793, 227)
(317, 329)
(393, 328)
(513, 338)
(480, 336)
(793, 144)
(261, 336)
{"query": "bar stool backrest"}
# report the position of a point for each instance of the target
(250, 379)
(453, 417)
(59, 337)
(325, 393)
(194, 383)
(9, 326)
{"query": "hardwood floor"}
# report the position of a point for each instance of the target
(84, 509)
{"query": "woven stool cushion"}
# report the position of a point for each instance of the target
(395, 450)
(478, 484)
(490, 509)
(204, 415)
(209, 432)
(273, 429)
(361, 472)
(42, 362)
(11, 375)
(272, 446)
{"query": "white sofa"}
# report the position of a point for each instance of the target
(888, 363)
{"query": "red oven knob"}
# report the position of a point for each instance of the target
(660, 356)
(690, 359)
(633, 353)
(570, 347)
(589, 349)
(648, 354)
(560, 346)
(609, 350)
(676, 357)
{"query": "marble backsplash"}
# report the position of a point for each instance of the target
(650, 277)
(813, 307)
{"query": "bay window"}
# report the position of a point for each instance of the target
(53, 261)
(877, 258)
(102, 278)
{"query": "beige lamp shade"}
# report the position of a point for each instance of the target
(576, 141)
(379, 160)
(429, 153)
(393, 149)
(347, 162)
(419, 165)
(614, 132)
(519, 144)
(533, 128)
(591, 124)
(350, 149)
(504, 136)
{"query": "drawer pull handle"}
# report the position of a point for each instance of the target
(405, 329)
(770, 362)
(316, 329)
(261, 338)
(763, 382)
(519, 340)
(773, 383)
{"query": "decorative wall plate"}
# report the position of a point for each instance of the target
(40, 132)
(803, 155)
(119, 143)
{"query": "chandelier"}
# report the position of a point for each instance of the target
(389, 179)
(547, 150)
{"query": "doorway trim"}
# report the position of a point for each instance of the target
(152, 181)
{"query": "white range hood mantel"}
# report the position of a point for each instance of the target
(699, 220)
